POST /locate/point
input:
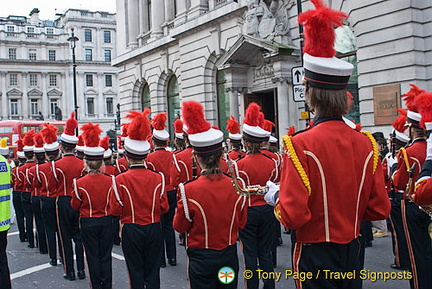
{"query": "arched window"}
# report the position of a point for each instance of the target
(145, 97)
(173, 102)
(223, 101)
(346, 48)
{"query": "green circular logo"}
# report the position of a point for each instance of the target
(226, 275)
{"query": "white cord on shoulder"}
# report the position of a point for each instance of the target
(76, 189)
(176, 163)
(163, 184)
(54, 170)
(184, 201)
(116, 191)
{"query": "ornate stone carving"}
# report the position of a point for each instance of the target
(263, 71)
(267, 18)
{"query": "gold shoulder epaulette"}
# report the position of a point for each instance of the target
(374, 147)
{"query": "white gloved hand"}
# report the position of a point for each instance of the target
(272, 194)
(390, 162)
(429, 148)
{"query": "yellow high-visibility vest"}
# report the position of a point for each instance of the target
(5, 180)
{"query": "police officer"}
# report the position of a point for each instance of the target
(5, 180)
(139, 199)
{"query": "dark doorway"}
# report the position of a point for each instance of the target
(267, 102)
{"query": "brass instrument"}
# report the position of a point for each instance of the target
(248, 190)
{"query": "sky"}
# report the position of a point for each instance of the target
(48, 8)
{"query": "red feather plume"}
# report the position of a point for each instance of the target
(410, 97)
(193, 116)
(38, 141)
(158, 122)
(319, 25)
(253, 115)
(291, 130)
(71, 125)
(400, 122)
(268, 125)
(119, 145)
(233, 126)
(124, 129)
(20, 145)
(178, 126)
(28, 138)
(91, 133)
(358, 126)
(423, 103)
(80, 141)
(139, 127)
(49, 133)
(104, 142)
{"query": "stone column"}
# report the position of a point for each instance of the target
(4, 102)
(24, 98)
(197, 7)
(100, 101)
(67, 96)
(44, 88)
(180, 17)
(133, 23)
(234, 103)
(287, 113)
(169, 10)
(158, 17)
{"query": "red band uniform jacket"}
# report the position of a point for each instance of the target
(23, 175)
(139, 196)
(161, 160)
(65, 170)
(338, 162)
(215, 213)
(181, 168)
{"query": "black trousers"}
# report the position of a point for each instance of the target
(28, 212)
(333, 257)
(98, 243)
(204, 265)
(142, 248)
(416, 224)
(167, 228)
(4, 267)
(257, 240)
(49, 216)
(19, 215)
(40, 227)
(69, 230)
(399, 242)
(116, 229)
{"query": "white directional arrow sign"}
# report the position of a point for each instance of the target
(297, 81)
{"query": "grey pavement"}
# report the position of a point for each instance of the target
(29, 269)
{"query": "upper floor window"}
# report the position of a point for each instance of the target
(30, 31)
(34, 106)
(87, 35)
(49, 32)
(107, 55)
(12, 53)
(90, 106)
(32, 54)
(110, 106)
(89, 80)
(14, 106)
(10, 28)
(51, 55)
(107, 36)
(33, 79)
(88, 55)
(108, 80)
(84, 13)
(53, 80)
(13, 79)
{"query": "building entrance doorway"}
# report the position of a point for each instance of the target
(268, 104)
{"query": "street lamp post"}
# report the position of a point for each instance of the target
(73, 39)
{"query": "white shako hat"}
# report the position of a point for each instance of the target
(20, 149)
(233, 128)
(90, 134)
(268, 127)
(400, 137)
(204, 139)
(322, 68)
(68, 137)
(80, 146)
(413, 115)
(28, 141)
(4, 149)
(39, 144)
(104, 143)
(178, 128)
(400, 125)
(252, 123)
(159, 124)
(273, 140)
(49, 135)
(136, 144)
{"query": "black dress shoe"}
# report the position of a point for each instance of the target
(53, 262)
(69, 276)
(81, 274)
(172, 262)
(30, 246)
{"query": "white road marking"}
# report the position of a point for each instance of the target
(118, 256)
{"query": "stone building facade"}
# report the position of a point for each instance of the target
(226, 54)
(36, 66)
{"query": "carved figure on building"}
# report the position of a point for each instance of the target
(267, 18)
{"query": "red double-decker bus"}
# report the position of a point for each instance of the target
(15, 129)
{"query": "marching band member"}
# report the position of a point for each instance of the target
(325, 213)
(64, 171)
(17, 191)
(160, 161)
(91, 199)
(79, 148)
(256, 169)
(235, 140)
(32, 176)
(121, 162)
(178, 133)
(211, 236)
(415, 222)
(26, 195)
(46, 186)
(139, 199)
(107, 167)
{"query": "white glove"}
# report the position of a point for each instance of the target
(429, 148)
(390, 162)
(272, 194)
